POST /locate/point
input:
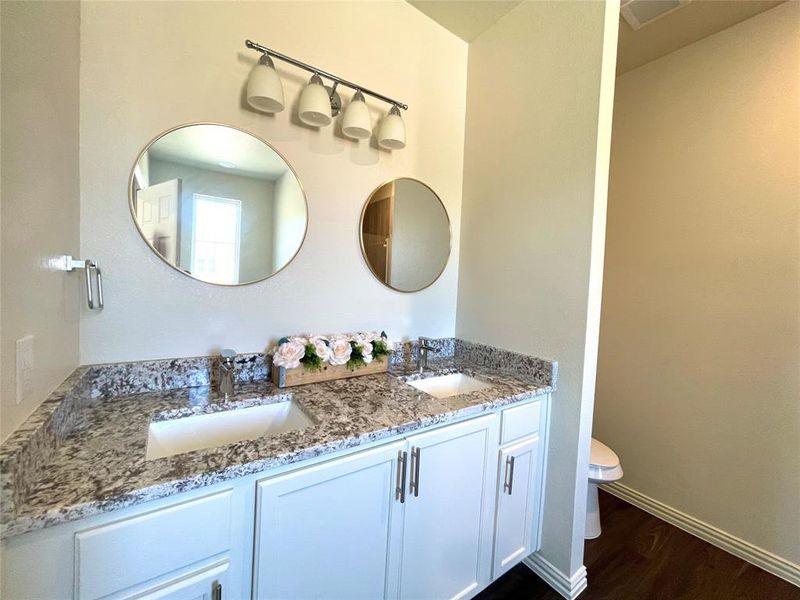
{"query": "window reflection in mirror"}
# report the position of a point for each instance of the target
(405, 235)
(218, 204)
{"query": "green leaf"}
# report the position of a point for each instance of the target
(310, 360)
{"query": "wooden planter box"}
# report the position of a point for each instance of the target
(283, 377)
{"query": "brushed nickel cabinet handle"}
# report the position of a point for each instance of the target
(400, 483)
(216, 591)
(508, 482)
(415, 460)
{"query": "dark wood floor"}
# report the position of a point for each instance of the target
(640, 557)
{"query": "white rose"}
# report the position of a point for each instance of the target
(288, 355)
(340, 350)
(321, 348)
(370, 336)
(366, 351)
(299, 340)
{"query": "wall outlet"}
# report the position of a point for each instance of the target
(24, 378)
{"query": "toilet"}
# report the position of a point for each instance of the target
(604, 467)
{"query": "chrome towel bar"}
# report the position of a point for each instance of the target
(88, 265)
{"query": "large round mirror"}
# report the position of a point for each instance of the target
(218, 204)
(405, 235)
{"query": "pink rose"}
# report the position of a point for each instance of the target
(340, 351)
(288, 355)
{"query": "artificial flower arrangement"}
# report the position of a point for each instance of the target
(325, 357)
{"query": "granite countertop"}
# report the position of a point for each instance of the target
(100, 466)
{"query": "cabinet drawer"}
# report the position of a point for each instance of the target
(520, 421)
(117, 556)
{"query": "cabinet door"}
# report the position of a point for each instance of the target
(518, 491)
(206, 584)
(447, 538)
(326, 532)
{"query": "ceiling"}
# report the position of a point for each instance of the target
(692, 22)
(466, 18)
(206, 146)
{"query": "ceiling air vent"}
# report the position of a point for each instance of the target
(639, 13)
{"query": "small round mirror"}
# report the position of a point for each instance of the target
(218, 204)
(405, 235)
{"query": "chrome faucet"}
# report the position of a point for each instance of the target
(226, 372)
(422, 355)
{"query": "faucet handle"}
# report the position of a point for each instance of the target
(227, 354)
(425, 343)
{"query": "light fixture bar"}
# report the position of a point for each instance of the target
(331, 76)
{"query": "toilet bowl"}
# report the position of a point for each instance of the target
(604, 467)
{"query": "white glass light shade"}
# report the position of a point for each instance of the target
(315, 104)
(392, 134)
(264, 87)
(356, 123)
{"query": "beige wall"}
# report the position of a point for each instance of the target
(40, 196)
(147, 66)
(698, 386)
(534, 204)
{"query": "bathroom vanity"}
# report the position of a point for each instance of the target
(381, 490)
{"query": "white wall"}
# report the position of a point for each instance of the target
(40, 196)
(149, 66)
(698, 380)
(533, 220)
(290, 219)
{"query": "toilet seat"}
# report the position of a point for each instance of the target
(604, 464)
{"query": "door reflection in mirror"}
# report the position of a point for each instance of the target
(405, 235)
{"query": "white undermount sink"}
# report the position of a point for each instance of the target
(444, 386)
(176, 436)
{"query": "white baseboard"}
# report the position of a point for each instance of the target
(569, 587)
(738, 547)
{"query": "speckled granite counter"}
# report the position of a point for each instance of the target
(83, 452)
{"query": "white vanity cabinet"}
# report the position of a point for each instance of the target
(518, 491)
(209, 583)
(411, 519)
(327, 530)
(193, 546)
(449, 507)
(435, 515)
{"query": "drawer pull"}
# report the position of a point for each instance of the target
(400, 483)
(508, 480)
(216, 591)
(414, 485)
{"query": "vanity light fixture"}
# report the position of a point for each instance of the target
(356, 123)
(319, 103)
(315, 105)
(264, 87)
(392, 134)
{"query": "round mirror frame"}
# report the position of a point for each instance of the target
(132, 203)
(364, 251)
